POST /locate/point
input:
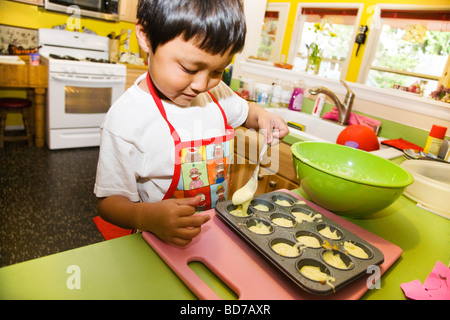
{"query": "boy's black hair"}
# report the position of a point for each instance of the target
(217, 25)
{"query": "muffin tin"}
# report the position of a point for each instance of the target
(284, 207)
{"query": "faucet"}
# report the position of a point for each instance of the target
(345, 108)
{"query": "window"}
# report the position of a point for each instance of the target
(265, 50)
(333, 30)
(272, 33)
(411, 50)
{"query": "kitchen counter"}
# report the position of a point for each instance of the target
(128, 268)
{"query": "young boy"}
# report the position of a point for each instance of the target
(167, 141)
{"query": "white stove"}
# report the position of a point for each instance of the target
(83, 84)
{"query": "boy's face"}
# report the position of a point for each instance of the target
(180, 70)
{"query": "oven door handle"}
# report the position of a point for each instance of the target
(88, 79)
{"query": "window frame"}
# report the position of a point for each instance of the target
(283, 10)
(374, 38)
(300, 22)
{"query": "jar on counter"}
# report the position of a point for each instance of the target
(286, 94)
(277, 91)
(444, 151)
(247, 88)
(263, 93)
(435, 139)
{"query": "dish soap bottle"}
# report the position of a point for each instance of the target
(318, 105)
(297, 96)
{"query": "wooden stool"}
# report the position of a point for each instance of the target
(15, 105)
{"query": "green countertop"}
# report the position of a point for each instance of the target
(128, 268)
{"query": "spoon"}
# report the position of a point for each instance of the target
(412, 154)
(244, 195)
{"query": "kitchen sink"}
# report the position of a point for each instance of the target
(317, 129)
(314, 129)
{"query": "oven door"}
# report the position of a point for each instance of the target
(81, 101)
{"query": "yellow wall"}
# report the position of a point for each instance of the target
(369, 5)
(31, 16)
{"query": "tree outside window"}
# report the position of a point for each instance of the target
(413, 50)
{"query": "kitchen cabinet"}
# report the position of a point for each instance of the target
(241, 172)
(127, 10)
(276, 171)
(133, 72)
(276, 182)
(267, 181)
(36, 2)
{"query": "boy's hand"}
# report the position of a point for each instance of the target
(271, 126)
(173, 220)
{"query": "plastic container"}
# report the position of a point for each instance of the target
(318, 106)
(444, 151)
(435, 139)
(263, 92)
(446, 157)
(34, 59)
(430, 187)
(277, 91)
(286, 94)
(297, 96)
(247, 88)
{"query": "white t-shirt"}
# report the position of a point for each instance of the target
(136, 157)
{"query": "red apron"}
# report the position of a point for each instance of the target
(201, 166)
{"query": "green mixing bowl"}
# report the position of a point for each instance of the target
(347, 181)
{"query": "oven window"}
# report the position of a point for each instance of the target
(87, 100)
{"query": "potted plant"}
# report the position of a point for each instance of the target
(315, 54)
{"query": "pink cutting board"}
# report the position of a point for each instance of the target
(246, 272)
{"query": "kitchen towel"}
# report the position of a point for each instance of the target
(110, 231)
(401, 144)
(435, 287)
(353, 119)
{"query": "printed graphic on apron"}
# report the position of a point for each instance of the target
(192, 154)
(205, 170)
(202, 167)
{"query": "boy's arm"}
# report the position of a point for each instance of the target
(120, 211)
(270, 124)
(171, 220)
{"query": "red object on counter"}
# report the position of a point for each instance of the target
(359, 137)
(438, 132)
(401, 144)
